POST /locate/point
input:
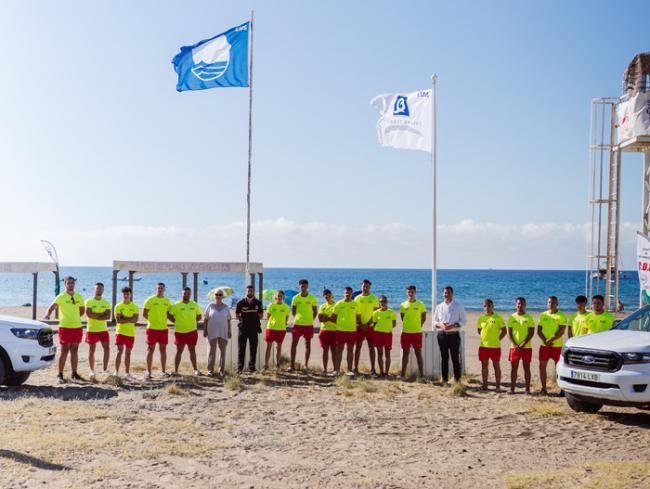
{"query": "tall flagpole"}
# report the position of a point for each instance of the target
(250, 151)
(434, 270)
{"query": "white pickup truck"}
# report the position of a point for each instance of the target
(25, 346)
(611, 367)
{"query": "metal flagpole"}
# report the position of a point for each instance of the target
(250, 150)
(434, 270)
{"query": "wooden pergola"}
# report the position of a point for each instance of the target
(185, 268)
(34, 268)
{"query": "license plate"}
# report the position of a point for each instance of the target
(585, 376)
(51, 350)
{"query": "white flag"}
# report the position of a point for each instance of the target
(405, 120)
(643, 265)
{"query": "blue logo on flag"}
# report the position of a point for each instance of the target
(221, 61)
(401, 106)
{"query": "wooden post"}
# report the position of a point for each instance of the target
(196, 286)
(184, 275)
(34, 295)
(131, 273)
(115, 272)
(261, 284)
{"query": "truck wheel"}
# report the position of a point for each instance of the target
(17, 378)
(3, 371)
(580, 406)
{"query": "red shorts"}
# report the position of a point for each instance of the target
(306, 331)
(127, 341)
(409, 340)
(160, 336)
(547, 353)
(275, 335)
(382, 340)
(69, 336)
(327, 338)
(367, 335)
(486, 353)
(346, 338)
(94, 337)
(526, 355)
(186, 338)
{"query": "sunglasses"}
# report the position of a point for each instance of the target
(219, 295)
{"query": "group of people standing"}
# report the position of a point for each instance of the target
(345, 326)
(520, 330)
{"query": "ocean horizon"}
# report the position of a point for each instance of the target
(471, 286)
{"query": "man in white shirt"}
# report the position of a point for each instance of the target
(448, 318)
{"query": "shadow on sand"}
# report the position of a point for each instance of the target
(29, 460)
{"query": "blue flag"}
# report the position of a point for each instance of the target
(221, 61)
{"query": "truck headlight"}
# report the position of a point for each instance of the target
(636, 357)
(25, 333)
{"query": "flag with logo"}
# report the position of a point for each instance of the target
(405, 120)
(643, 265)
(221, 61)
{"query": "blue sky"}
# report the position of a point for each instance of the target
(101, 155)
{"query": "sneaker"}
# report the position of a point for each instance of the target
(148, 376)
(350, 374)
(334, 373)
(543, 392)
(355, 371)
(373, 374)
(60, 379)
(92, 377)
(240, 371)
(290, 369)
(76, 376)
(402, 378)
(116, 374)
(165, 375)
(174, 374)
(197, 373)
(129, 377)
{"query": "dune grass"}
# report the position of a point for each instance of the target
(545, 408)
(598, 475)
(175, 390)
(234, 383)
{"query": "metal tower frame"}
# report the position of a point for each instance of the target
(602, 271)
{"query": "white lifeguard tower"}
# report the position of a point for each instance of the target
(618, 125)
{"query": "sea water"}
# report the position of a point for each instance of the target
(470, 286)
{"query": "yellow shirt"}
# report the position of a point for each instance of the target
(367, 305)
(278, 314)
(490, 326)
(185, 316)
(304, 309)
(346, 315)
(595, 323)
(128, 311)
(383, 320)
(551, 323)
(328, 310)
(519, 325)
(69, 309)
(578, 323)
(98, 307)
(157, 309)
(412, 322)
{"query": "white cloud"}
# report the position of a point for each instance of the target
(281, 242)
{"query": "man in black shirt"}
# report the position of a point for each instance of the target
(249, 312)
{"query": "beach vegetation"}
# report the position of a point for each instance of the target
(545, 408)
(234, 383)
(175, 390)
(598, 475)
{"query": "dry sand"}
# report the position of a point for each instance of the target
(308, 430)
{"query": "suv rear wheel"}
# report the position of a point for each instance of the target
(581, 406)
(17, 378)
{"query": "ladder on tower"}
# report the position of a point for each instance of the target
(602, 273)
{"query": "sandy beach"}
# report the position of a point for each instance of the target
(308, 430)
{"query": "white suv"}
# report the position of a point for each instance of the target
(25, 346)
(611, 367)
